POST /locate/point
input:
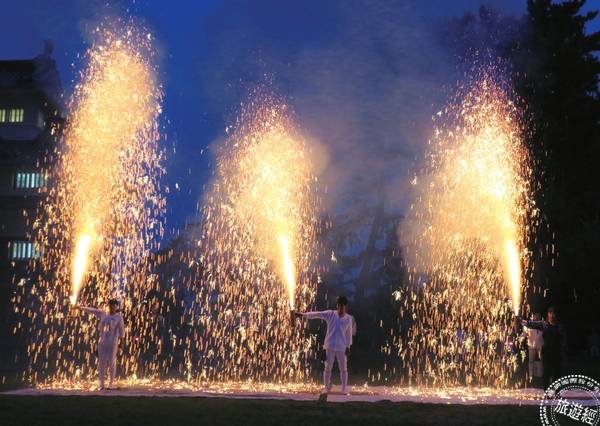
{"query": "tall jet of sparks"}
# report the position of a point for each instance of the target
(287, 266)
(103, 209)
(259, 233)
(80, 264)
(468, 232)
(115, 104)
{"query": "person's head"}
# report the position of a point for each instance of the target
(537, 316)
(341, 304)
(113, 306)
(155, 305)
(551, 315)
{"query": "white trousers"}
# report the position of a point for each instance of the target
(107, 358)
(332, 355)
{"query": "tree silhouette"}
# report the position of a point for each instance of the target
(556, 73)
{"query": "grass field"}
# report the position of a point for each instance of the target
(82, 411)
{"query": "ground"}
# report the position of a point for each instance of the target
(148, 411)
(179, 405)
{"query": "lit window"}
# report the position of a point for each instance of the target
(15, 115)
(23, 250)
(30, 180)
(2, 115)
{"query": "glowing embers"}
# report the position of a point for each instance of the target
(300, 391)
(103, 210)
(465, 243)
(110, 146)
(288, 268)
(260, 245)
(80, 265)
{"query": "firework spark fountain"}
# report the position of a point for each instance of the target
(466, 243)
(102, 213)
(259, 241)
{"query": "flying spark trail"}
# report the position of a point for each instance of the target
(466, 241)
(259, 247)
(102, 213)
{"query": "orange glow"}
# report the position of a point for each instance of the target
(259, 245)
(102, 215)
(80, 265)
(288, 268)
(465, 239)
(514, 274)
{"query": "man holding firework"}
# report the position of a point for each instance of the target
(338, 339)
(110, 330)
(553, 344)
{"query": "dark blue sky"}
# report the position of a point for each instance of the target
(209, 49)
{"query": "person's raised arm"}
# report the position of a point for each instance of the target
(88, 310)
(322, 315)
(536, 325)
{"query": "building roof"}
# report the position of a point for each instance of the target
(39, 73)
(37, 77)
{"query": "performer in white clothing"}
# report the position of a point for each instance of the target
(338, 340)
(535, 341)
(110, 330)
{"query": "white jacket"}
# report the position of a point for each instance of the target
(339, 329)
(110, 327)
(534, 338)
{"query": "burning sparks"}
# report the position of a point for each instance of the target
(101, 215)
(80, 265)
(114, 113)
(466, 244)
(173, 387)
(513, 271)
(256, 248)
(259, 240)
(288, 268)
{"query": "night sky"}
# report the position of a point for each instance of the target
(318, 53)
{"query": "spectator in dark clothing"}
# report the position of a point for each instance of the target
(553, 346)
(594, 343)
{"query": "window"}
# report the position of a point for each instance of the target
(30, 180)
(2, 115)
(23, 250)
(15, 115)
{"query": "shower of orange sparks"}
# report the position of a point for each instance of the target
(260, 248)
(270, 174)
(467, 231)
(113, 107)
(102, 214)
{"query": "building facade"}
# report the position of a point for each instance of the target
(30, 116)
